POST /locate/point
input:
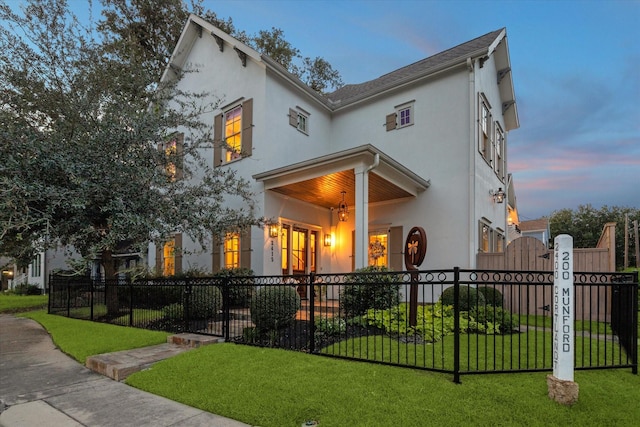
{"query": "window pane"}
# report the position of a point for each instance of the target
(232, 250)
(378, 249)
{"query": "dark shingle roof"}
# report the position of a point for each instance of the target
(351, 93)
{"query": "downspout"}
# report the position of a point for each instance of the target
(376, 162)
(472, 166)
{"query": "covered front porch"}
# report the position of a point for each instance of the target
(314, 194)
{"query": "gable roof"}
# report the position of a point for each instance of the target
(541, 224)
(477, 47)
(495, 41)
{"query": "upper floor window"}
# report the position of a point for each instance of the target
(402, 117)
(172, 152)
(299, 119)
(485, 137)
(232, 132)
(499, 152)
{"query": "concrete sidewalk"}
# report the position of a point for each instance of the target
(41, 386)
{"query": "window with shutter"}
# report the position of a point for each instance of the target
(233, 132)
(299, 119)
(172, 151)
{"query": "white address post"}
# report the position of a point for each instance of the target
(562, 388)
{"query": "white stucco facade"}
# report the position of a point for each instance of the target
(429, 174)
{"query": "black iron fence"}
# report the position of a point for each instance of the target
(454, 321)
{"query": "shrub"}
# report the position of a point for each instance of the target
(492, 296)
(274, 307)
(503, 321)
(469, 297)
(371, 287)
(27, 289)
(242, 287)
(205, 301)
(173, 311)
(330, 326)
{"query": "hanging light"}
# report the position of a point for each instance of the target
(343, 209)
(498, 196)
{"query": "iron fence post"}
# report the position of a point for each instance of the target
(312, 310)
(68, 299)
(634, 321)
(226, 309)
(456, 325)
(130, 301)
(187, 304)
(91, 297)
(49, 299)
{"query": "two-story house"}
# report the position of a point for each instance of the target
(345, 176)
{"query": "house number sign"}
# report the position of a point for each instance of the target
(563, 308)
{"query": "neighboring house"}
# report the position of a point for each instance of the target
(345, 176)
(538, 228)
(41, 266)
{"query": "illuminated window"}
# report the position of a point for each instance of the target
(233, 133)
(232, 250)
(285, 249)
(299, 251)
(378, 249)
(172, 151)
(169, 258)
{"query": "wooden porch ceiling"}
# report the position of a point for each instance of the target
(327, 190)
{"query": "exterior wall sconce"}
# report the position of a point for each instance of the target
(343, 209)
(498, 196)
(273, 230)
(327, 239)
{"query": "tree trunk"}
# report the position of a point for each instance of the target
(111, 284)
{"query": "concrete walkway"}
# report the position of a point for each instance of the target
(41, 386)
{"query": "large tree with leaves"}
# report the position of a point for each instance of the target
(585, 225)
(80, 126)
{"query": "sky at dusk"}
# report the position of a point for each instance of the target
(575, 67)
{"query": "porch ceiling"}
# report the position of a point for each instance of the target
(321, 181)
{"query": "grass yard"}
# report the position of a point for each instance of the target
(486, 352)
(11, 303)
(270, 387)
(81, 338)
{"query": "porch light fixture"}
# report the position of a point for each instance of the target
(343, 210)
(327, 239)
(273, 230)
(498, 196)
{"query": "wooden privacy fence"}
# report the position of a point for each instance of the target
(530, 254)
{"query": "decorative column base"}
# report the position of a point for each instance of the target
(562, 391)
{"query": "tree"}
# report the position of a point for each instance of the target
(80, 127)
(148, 30)
(585, 225)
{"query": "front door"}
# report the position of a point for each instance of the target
(299, 253)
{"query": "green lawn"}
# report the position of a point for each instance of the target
(81, 338)
(270, 387)
(10, 303)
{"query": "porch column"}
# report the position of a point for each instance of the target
(362, 216)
